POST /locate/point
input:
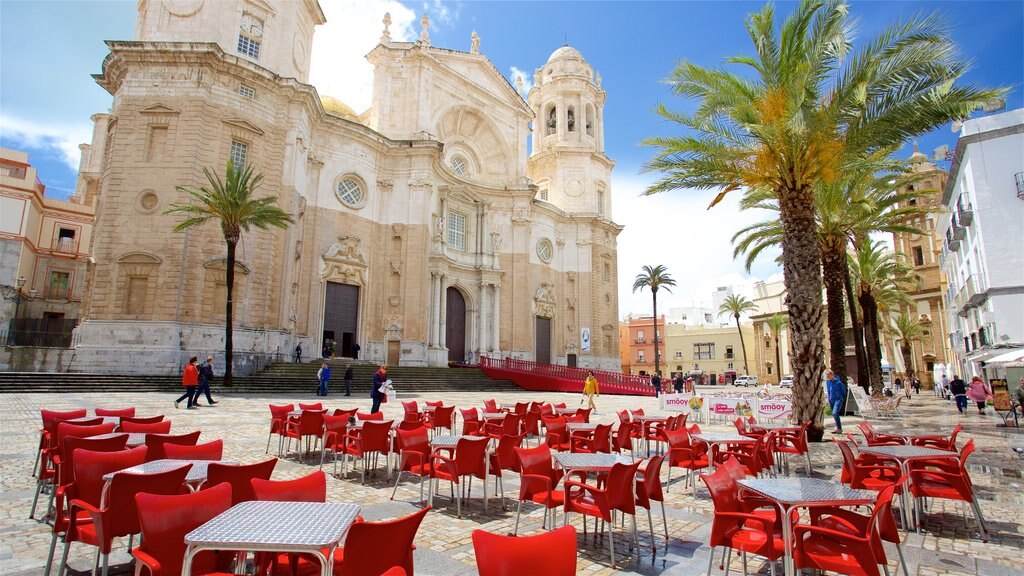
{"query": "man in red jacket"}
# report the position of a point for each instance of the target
(190, 380)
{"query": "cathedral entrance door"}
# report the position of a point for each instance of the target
(341, 314)
(393, 355)
(455, 326)
(543, 351)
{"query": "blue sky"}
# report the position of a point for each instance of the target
(49, 49)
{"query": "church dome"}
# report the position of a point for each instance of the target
(917, 156)
(565, 52)
(336, 107)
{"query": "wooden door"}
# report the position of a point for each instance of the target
(543, 341)
(455, 326)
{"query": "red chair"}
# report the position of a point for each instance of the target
(499, 555)
(521, 408)
(441, 418)
(378, 416)
(794, 443)
(585, 412)
(852, 548)
(466, 460)
(335, 428)
(239, 476)
(736, 528)
(53, 457)
(309, 427)
(413, 456)
(490, 406)
(753, 458)
(309, 488)
(209, 451)
(315, 406)
(503, 458)
(66, 459)
(119, 412)
(373, 439)
(600, 441)
(403, 425)
(623, 437)
(165, 520)
(556, 434)
(682, 453)
(741, 429)
(120, 517)
(939, 442)
(559, 405)
(141, 419)
(412, 411)
(278, 417)
(379, 547)
(946, 481)
(863, 475)
(48, 433)
(157, 442)
(162, 427)
(648, 488)
(434, 403)
(470, 422)
(617, 494)
(874, 438)
(531, 423)
(507, 426)
(88, 487)
(538, 481)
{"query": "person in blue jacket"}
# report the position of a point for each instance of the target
(836, 396)
(323, 375)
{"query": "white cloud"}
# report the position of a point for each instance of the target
(515, 72)
(338, 66)
(440, 13)
(64, 138)
(676, 229)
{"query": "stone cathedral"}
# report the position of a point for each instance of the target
(425, 231)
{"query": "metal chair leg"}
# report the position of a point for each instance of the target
(711, 559)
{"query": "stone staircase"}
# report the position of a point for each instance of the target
(277, 378)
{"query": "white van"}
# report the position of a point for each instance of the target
(746, 381)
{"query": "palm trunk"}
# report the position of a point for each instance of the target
(657, 356)
(801, 263)
(778, 360)
(230, 281)
(871, 342)
(743, 345)
(908, 369)
(833, 256)
(858, 332)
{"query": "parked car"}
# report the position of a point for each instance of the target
(746, 381)
(786, 382)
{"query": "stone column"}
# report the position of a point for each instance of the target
(443, 317)
(432, 313)
(485, 313)
(496, 319)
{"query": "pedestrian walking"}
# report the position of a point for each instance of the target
(916, 382)
(205, 378)
(958, 388)
(348, 379)
(376, 390)
(322, 376)
(190, 380)
(656, 382)
(677, 383)
(979, 391)
(590, 389)
(298, 353)
(355, 351)
(836, 396)
(944, 384)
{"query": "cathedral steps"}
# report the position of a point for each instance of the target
(278, 378)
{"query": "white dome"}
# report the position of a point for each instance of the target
(565, 52)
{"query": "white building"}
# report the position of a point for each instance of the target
(983, 254)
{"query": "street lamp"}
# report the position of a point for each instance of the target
(11, 293)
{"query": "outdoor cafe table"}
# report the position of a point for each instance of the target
(195, 478)
(450, 442)
(565, 411)
(259, 526)
(587, 427)
(904, 455)
(718, 438)
(792, 493)
(492, 416)
(588, 462)
(134, 438)
(645, 420)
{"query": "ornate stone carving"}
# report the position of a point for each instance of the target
(347, 249)
(544, 301)
(393, 328)
(424, 24)
(385, 184)
(496, 241)
(344, 262)
(397, 230)
(474, 45)
(570, 303)
(385, 36)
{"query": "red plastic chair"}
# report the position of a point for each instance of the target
(335, 428)
(209, 451)
(379, 547)
(601, 441)
(617, 494)
(53, 457)
(466, 460)
(946, 481)
(120, 517)
(753, 458)
(412, 411)
(874, 438)
(157, 442)
(737, 529)
(503, 458)
(538, 481)
(507, 426)
(741, 429)
(278, 417)
(88, 487)
(309, 427)
(623, 437)
(585, 412)
(165, 520)
(239, 476)
(863, 475)
(470, 421)
(314, 406)
(119, 412)
(853, 549)
(794, 443)
(378, 416)
(556, 434)
(682, 453)
(559, 405)
(939, 442)
(161, 427)
(531, 423)
(648, 488)
(413, 456)
(66, 459)
(441, 418)
(141, 419)
(309, 488)
(499, 555)
(48, 433)
(434, 403)
(373, 439)
(490, 406)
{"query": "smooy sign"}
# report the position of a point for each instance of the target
(774, 408)
(685, 403)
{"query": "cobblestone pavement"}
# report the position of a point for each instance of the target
(948, 546)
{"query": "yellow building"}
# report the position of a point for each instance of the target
(712, 352)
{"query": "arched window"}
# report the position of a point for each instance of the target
(590, 120)
(552, 120)
(571, 122)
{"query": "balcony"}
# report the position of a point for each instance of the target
(956, 341)
(960, 303)
(65, 245)
(640, 341)
(964, 211)
(952, 242)
(977, 291)
(1019, 179)
(959, 232)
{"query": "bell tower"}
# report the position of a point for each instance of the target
(567, 161)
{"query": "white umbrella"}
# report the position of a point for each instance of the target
(1012, 359)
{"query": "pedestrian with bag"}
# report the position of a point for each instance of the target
(205, 378)
(377, 390)
(348, 380)
(979, 391)
(190, 380)
(958, 388)
(656, 382)
(590, 389)
(322, 376)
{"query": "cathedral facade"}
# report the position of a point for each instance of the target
(424, 230)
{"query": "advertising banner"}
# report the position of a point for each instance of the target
(774, 408)
(685, 402)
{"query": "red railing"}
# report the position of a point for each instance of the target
(553, 378)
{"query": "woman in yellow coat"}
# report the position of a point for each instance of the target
(590, 389)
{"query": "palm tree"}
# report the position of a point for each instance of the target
(230, 203)
(906, 330)
(735, 306)
(654, 278)
(785, 127)
(776, 322)
(879, 278)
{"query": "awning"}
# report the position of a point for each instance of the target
(1014, 359)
